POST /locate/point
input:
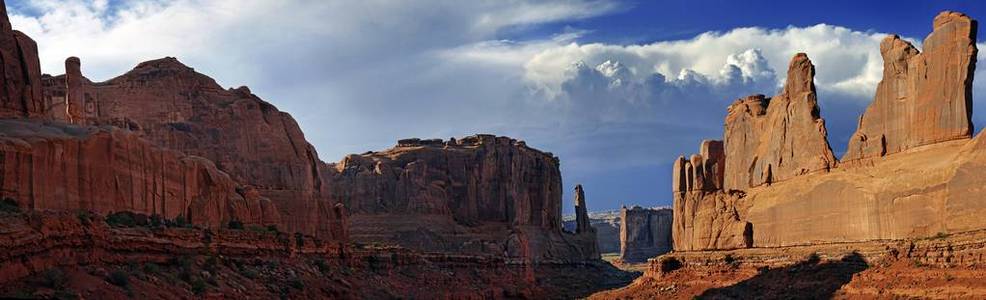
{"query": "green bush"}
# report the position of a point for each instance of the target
(119, 278)
(9, 205)
(54, 279)
(121, 219)
(198, 286)
(235, 225)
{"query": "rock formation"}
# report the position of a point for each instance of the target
(581, 213)
(607, 227)
(644, 233)
(21, 71)
(775, 139)
(104, 170)
(479, 194)
(924, 98)
(177, 108)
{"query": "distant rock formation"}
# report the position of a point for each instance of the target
(581, 213)
(924, 98)
(21, 96)
(177, 108)
(776, 191)
(478, 194)
(775, 139)
(644, 233)
(607, 227)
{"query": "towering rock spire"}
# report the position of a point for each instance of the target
(924, 98)
(74, 97)
(768, 140)
(581, 212)
(21, 70)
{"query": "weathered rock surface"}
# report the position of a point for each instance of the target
(51, 166)
(479, 194)
(775, 139)
(177, 108)
(21, 72)
(644, 233)
(930, 186)
(924, 98)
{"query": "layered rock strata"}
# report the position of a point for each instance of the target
(644, 233)
(924, 98)
(927, 187)
(48, 166)
(174, 107)
(479, 194)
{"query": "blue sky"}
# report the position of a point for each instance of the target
(616, 88)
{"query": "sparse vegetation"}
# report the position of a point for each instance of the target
(235, 225)
(119, 278)
(54, 279)
(9, 205)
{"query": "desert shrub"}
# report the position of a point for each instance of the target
(9, 205)
(84, 216)
(296, 283)
(54, 279)
(211, 264)
(321, 265)
(198, 286)
(156, 221)
(122, 219)
(299, 239)
(235, 225)
(119, 278)
(151, 268)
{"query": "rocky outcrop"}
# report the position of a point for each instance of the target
(607, 227)
(177, 108)
(924, 98)
(21, 69)
(581, 213)
(923, 191)
(644, 233)
(775, 139)
(479, 194)
(45, 166)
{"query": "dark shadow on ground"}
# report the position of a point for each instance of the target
(580, 281)
(810, 279)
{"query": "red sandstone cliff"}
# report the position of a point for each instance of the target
(21, 96)
(479, 194)
(176, 108)
(772, 195)
(644, 233)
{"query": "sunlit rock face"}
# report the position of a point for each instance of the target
(910, 170)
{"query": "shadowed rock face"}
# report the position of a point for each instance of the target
(479, 194)
(177, 108)
(772, 195)
(644, 233)
(21, 96)
(924, 98)
(104, 170)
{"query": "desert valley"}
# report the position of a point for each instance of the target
(162, 184)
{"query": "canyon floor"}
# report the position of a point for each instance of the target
(941, 267)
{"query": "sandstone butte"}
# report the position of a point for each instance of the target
(478, 194)
(910, 170)
(644, 233)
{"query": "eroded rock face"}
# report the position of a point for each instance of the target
(775, 139)
(177, 108)
(481, 193)
(69, 168)
(924, 98)
(21, 71)
(644, 233)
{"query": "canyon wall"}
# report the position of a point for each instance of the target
(644, 233)
(174, 107)
(479, 194)
(910, 170)
(21, 69)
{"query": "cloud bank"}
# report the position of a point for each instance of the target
(358, 75)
